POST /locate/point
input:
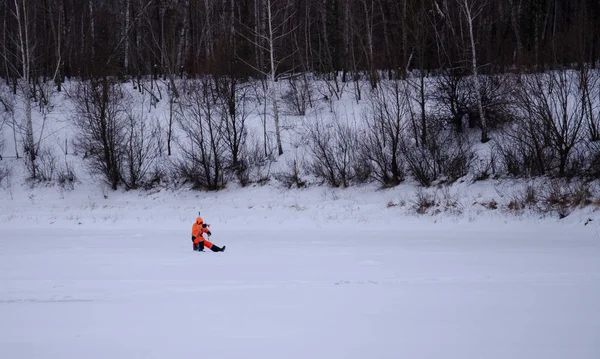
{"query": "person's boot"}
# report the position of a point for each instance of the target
(217, 248)
(195, 246)
(201, 246)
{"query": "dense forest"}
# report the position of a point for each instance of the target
(90, 38)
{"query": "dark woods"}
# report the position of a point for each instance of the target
(370, 38)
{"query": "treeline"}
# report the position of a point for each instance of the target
(241, 38)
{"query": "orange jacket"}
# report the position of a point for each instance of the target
(199, 227)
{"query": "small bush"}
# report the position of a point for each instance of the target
(484, 168)
(252, 163)
(44, 166)
(66, 178)
(379, 160)
(558, 196)
(4, 174)
(292, 176)
(492, 204)
(445, 157)
(299, 97)
(593, 166)
(449, 202)
(520, 200)
(563, 197)
(530, 195)
(515, 205)
(333, 152)
(423, 202)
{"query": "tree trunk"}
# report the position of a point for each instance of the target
(24, 52)
(273, 79)
(470, 18)
(126, 36)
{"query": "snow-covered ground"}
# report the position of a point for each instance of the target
(315, 273)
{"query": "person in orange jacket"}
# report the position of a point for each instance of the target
(198, 230)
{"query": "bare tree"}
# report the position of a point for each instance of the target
(298, 98)
(7, 110)
(471, 9)
(445, 157)
(515, 19)
(101, 126)
(381, 145)
(140, 151)
(204, 151)
(453, 96)
(368, 7)
(234, 98)
(589, 84)
(552, 101)
(25, 51)
(277, 19)
(2, 123)
(334, 152)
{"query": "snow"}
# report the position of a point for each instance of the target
(308, 273)
(316, 273)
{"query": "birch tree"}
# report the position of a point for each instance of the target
(515, 17)
(25, 51)
(277, 18)
(471, 9)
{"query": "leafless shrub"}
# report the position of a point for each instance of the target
(445, 157)
(454, 96)
(589, 85)
(4, 174)
(204, 150)
(437, 202)
(560, 196)
(530, 195)
(492, 204)
(496, 100)
(523, 150)
(515, 205)
(423, 201)
(45, 166)
(2, 121)
(292, 175)
(563, 197)
(101, 126)
(234, 101)
(528, 198)
(455, 99)
(253, 165)
(299, 96)
(449, 202)
(483, 168)
(65, 176)
(333, 152)
(551, 122)
(589, 159)
(140, 152)
(380, 148)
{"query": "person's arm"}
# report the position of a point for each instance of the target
(205, 229)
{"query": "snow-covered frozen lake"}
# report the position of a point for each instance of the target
(521, 290)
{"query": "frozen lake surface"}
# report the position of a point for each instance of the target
(437, 291)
